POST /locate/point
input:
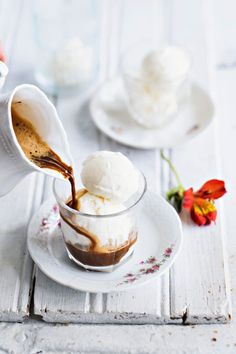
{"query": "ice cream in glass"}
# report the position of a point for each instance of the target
(100, 230)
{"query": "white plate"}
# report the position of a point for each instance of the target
(159, 242)
(110, 114)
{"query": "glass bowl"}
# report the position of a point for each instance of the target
(151, 103)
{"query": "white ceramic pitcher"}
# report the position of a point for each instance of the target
(3, 73)
(36, 108)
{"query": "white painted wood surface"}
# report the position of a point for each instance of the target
(201, 268)
(201, 272)
(160, 302)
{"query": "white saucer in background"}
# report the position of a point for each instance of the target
(159, 243)
(110, 114)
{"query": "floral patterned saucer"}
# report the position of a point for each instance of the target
(110, 114)
(159, 243)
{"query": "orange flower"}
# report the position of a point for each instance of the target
(203, 212)
(201, 203)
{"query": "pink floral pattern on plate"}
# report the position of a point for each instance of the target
(148, 266)
(51, 220)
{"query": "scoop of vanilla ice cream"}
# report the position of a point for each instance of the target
(94, 205)
(111, 231)
(110, 175)
(167, 64)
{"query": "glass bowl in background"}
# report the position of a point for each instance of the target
(99, 242)
(66, 44)
(151, 103)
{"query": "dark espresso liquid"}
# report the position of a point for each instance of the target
(96, 254)
(100, 259)
(38, 151)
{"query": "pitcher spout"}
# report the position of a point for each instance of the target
(33, 105)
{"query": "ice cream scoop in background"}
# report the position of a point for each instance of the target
(169, 64)
(153, 80)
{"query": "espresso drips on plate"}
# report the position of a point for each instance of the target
(38, 151)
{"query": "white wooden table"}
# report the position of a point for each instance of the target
(197, 290)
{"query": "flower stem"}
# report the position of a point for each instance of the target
(173, 170)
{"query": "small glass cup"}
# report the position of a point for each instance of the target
(99, 242)
(66, 44)
(152, 104)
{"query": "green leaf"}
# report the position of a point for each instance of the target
(175, 197)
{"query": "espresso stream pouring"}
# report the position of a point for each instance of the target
(30, 103)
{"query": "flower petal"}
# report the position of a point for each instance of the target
(203, 212)
(212, 189)
(188, 199)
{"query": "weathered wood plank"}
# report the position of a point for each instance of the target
(93, 339)
(133, 305)
(199, 283)
(18, 206)
(16, 266)
(222, 31)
